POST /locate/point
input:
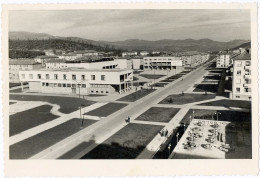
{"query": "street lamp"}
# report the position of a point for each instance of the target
(190, 119)
(177, 136)
(169, 148)
(80, 114)
(184, 128)
(193, 114)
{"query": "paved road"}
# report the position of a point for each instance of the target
(114, 122)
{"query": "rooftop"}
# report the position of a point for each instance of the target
(243, 56)
(22, 62)
(69, 69)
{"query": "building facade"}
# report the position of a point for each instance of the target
(223, 60)
(163, 63)
(241, 84)
(15, 65)
(129, 54)
(78, 80)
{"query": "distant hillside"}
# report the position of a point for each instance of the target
(244, 45)
(177, 45)
(77, 43)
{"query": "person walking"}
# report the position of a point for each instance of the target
(166, 133)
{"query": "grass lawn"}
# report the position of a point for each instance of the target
(106, 110)
(137, 84)
(212, 77)
(67, 104)
(11, 103)
(158, 114)
(167, 80)
(18, 90)
(127, 143)
(33, 145)
(186, 98)
(231, 116)
(151, 76)
(25, 120)
(159, 84)
(206, 87)
(136, 95)
(137, 71)
(74, 151)
(229, 103)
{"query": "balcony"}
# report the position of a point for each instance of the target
(247, 85)
(247, 67)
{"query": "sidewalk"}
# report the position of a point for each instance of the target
(155, 144)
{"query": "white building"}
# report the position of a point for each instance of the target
(163, 63)
(124, 63)
(241, 84)
(144, 53)
(78, 80)
(130, 53)
(138, 63)
(68, 57)
(15, 65)
(223, 60)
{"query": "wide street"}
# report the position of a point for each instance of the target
(111, 124)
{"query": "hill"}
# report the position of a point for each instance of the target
(244, 45)
(21, 39)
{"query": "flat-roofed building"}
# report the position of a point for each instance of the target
(223, 60)
(78, 80)
(124, 63)
(163, 63)
(144, 53)
(138, 63)
(241, 84)
(68, 57)
(129, 53)
(15, 65)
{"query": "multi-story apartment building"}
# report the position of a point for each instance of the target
(78, 80)
(129, 54)
(163, 63)
(15, 65)
(138, 63)
(241, 84)
(192, 59)
(223, 60)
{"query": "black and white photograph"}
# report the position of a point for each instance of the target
(124, 84)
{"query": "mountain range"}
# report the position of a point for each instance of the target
(202, 45)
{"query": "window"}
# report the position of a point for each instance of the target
(39, 76)
(47, 84)
(83, 77)
(248, 63)
(83, 85)
(55, 76)
(239, 64)
(238, 81)
(238, 90)
(239, 72)
(59, 84)
(107, 91)
(55, 84)
(47, 76)
(92, 77)
(64, 85)
(103, 77)
(74, 77)
(23, 76)
(96, 91)
(73, 86)
(64, 77)
(237, 96)
(68, 85)
(246, 90)
(43, 84)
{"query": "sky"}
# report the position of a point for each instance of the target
(119, 25)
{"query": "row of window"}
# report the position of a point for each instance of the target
(73, 76)
(158, 59)
(65, 85)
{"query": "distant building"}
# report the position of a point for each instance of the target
(138, 63)
(223, 60)
(192, 59)
(78, 80)
(156, 52)
(15, 65)
(144, 53)
(241, 84)
(129, 54)
(43, 59)
(124, 63)
(68, 57)
(49, 52)
(163, 63)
